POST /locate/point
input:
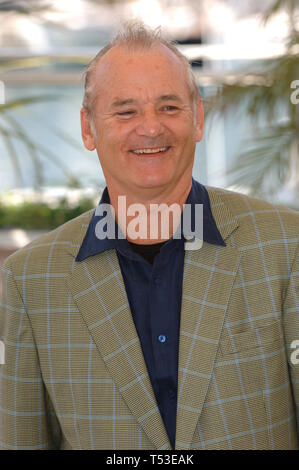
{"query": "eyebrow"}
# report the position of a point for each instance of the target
(118, 102)
(169, 98)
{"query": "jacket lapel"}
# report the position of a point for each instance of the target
(209, 274)
(98, 289)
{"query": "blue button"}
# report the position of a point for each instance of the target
(171, 393)
(157, 280)
(162, 338)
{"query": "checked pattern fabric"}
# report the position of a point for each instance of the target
(74, 375)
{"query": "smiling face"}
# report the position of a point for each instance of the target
(144, 119)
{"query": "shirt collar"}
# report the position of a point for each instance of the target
(198, 194)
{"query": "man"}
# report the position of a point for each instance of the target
(141, 343)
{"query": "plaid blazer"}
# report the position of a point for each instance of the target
(74, 375)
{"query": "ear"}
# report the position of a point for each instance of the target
(199, 119)
(86, 132)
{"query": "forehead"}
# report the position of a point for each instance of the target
(140, 72)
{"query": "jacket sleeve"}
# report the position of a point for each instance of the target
(27, 418)
(291, 331)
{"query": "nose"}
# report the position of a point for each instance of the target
(149, 125)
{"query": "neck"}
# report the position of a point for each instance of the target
(153, 220)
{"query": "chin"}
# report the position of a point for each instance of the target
(153, 180)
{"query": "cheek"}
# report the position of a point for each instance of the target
(183, 128)
(184, 134)
(116, 136)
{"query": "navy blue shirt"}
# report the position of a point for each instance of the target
(154, 294)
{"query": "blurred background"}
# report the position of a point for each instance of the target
(245, 58)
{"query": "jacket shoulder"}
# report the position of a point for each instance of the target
(274, 220)
(54, 244)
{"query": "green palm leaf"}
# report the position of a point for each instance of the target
(264, 91)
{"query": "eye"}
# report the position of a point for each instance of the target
(126, 113)
(170, 108)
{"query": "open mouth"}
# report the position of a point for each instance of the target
(150, 151)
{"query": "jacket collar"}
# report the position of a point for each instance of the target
(198, 194)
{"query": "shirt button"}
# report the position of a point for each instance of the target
(157, 280)
(162, 338)
(171, 393)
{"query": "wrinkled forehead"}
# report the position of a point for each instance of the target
(122, 67)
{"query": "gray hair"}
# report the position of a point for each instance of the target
(135, 36)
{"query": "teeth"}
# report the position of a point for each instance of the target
(161, 149)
